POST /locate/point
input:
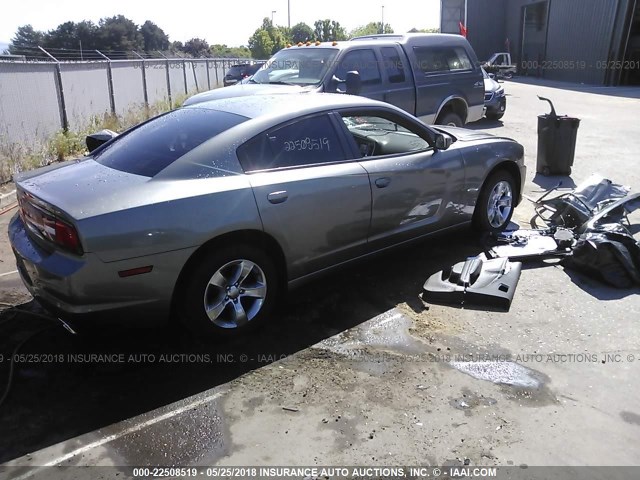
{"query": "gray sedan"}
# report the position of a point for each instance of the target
(209, 213)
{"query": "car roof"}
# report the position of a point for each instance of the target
(410, 39)
(254, 106)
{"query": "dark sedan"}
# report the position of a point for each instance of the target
(212, 211)
(239, 72)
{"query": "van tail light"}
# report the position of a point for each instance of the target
(45, 224)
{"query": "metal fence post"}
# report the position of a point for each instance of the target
(208, 74)
(144, 81)
(184, 74)
(195, 77)
(168, 79)
(112, 98)
(64, 120)
(215, 65)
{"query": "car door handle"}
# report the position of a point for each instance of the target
(278, 197)
(383, 182)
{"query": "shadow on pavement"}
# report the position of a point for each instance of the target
(484, 124)
(552, 181)
(59, 392)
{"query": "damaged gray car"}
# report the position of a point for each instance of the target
(210, 212)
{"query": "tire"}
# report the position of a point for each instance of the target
(451, 119)
(219, 284)
(494, 116)
(494, 208)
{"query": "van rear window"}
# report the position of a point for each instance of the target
(442, 59)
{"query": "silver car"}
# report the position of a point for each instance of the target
(209, 213)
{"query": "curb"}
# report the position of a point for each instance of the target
(8, 201)
(7, 198)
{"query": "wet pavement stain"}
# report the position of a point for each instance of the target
(198, 436)
(469, 401)
(630, 417)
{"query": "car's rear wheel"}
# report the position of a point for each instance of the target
(495, 205)
(450, 119)
(229, 291)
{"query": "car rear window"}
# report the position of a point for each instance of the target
(153, 146)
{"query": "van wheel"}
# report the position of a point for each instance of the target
(495, 116)
(450, 119)
(229, 292)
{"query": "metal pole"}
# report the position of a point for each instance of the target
(144, 80)
(465, 15)
(112, 99)
(289, 13)
(195, 77)
(64, 120)
(272, 12)
(208, 74)
(166, 63)
(382, 24)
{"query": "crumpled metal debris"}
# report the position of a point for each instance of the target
(592, 227)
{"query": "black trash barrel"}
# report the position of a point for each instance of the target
(556, 142)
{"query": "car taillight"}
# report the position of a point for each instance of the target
(47, 225)
(67, 237)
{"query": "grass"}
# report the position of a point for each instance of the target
(15, 158)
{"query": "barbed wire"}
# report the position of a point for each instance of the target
(30, 52)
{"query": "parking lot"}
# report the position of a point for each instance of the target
(356, 370)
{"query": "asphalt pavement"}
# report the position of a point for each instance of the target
(356, 370)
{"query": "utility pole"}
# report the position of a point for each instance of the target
(465, 14)
(272, 12)
(289, 13)
(382, 27)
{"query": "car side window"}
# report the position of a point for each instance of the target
(308, 141)
(442, 59)
(378, 135)
(393, 64)
(364, 62)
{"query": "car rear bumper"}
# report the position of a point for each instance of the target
(86, 289)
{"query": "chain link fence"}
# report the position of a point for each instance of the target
(41, 98)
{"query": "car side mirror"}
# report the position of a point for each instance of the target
(443, 141)
(354, 83)
(492, 76)
(94, 140)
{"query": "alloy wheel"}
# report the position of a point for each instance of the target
(235, 293)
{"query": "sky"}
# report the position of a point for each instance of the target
(225, 22)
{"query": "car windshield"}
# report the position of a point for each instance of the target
(297, 66)
(153, 146)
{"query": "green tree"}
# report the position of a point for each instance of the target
(268, 39)
(260, 44)
(223, 51)
(154, 37)
(73, 36)
(26, 37)
(329, 30)
(371, 28)
(424, 30)
(176, 47)
(118, 33)
(196, 47)
(301, 32)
